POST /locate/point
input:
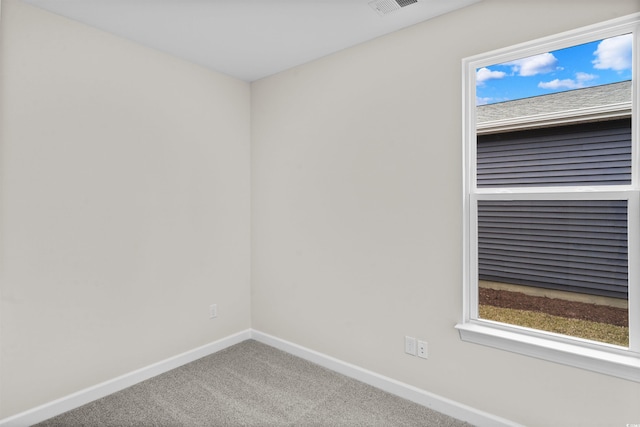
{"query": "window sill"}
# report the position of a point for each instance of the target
(603, 359)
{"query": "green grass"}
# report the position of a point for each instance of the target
(595, 331)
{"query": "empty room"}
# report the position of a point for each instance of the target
(387, 190)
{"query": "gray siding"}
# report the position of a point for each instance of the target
(587, 154)
(578, 246)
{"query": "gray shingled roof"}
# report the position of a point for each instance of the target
(595, 96)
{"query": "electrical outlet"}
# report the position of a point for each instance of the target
(423, 349)
(213, 311)
(410, 345)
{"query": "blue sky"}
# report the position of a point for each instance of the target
(591, 64)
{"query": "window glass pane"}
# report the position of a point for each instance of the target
(555, 265)
(560, 118)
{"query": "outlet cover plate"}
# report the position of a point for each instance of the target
(410, 345)
(213, 311)
(423, 349)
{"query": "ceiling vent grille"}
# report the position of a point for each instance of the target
(403, 3)
(384, 7)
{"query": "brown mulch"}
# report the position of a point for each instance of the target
(554, 306)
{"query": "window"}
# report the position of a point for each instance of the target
(552, 199)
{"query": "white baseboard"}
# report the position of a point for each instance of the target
(406, 391)
(82, 397)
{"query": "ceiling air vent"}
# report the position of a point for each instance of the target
(384, 7)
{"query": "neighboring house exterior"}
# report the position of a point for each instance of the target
(580, 137)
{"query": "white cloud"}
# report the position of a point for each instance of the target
(613, 53)
(537, 64)
(577, 83)
(484, 74)
(559, 84)
(585, 77)
(489, 100)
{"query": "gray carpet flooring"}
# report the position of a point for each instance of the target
(251, 384)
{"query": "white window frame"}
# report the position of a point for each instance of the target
(604, 358)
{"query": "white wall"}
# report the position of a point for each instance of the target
(356, 214)
(124, 180)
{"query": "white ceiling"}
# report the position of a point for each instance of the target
(247, 39)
